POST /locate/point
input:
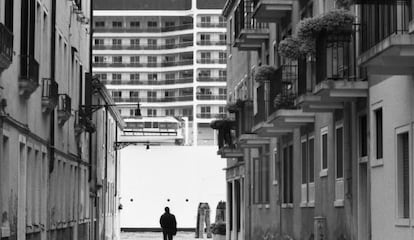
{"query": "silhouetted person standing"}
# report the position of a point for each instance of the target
(168, 224)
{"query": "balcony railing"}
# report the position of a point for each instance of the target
(335, 59)
(149, 82)
(6, 47)
(244, 18)
(147, 30)
(244, 118)
(64, 108)
(380, 19)
(164, 64)
(154, 99)
(212, 61)
(211, 42)
(49, 94)
(211, 25)
(211, 115)
(211, 97)
(142, 47)
(211, 79)
(283, 88)
(29, 75)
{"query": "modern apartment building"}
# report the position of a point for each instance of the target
(321, 138)
(53, 184)
(168, 56)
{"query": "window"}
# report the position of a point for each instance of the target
(204, 73)
(339, 166)
(169, 93)
(222, 55)
(152, 94)
(363, 138)
(116, 94)
(222, 110)
(256, 179)
(117, 59)
(134, 42)
(134, 59)
(99, 41)
(205, 111)
(169, 76)
(187, 112)
(116, 42)
(99, 59)
(324, 151)
(378, 133)
(116, 76)
(287, 175)
(205, 19)
(151, 112)
(134, 76)
(134, 24)
(222, 91)
(152, 24)
(403, 176)
(117, 24)
(152, 61)
(169, 24)
(100, 24)
(152, 77)
(152, 43)
(308, 186)
(170, 42)
(222, 73)
(170, 112)
(101, 76)
(205, 55)
(205, 37)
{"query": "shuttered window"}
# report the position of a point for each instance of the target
(403, 175)
(363, 138)
(339, 153)
(285, 175)
(378, 133)
(304, 163)
(324, 151)
(256, 178)
(311, 160)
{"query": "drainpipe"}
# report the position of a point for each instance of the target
(105, 186)
(52, 76)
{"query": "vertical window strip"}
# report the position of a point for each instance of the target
(311, 145)
(378, 133)
(324, 151)
(284, 173)
(339, 153)
(403, 175)
(290, 173)
(304, 163)
(363, 138)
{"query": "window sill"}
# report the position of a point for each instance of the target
(363, 159)
(259, 206)
(377, 163)
(266, 206)
(402, 222)
(5, 232)
(323, 173)
(287, 205)
(339, 203)
(307, 204)
(274, 182)
(303, 204)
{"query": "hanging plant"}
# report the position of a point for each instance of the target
(264, 73)
(338, 21)
(295, 48)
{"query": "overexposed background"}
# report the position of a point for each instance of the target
(151, 177)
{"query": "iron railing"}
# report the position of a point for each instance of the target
(211, 42)
(65, 104)
(154, 99)
(212, 79)
(212, 61)
(142, 30)
(211, 25)
(164, 64)
(148, 82)
(243, 18)
(382, 18)
(142, 47)
(49, 90)
(283, 91)
(211, 97)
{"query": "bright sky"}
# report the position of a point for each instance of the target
(151, 177)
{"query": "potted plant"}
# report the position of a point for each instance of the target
(264, 73)
(294, 48)
(219, 231)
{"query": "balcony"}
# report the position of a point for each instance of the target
(6, 47)
(149, 82)
(211, 25)
(143, 30)
(283, 91)
(212, 61)
(147, 65)
(226, 138)
(153, 99)
(211, 43)
(211, 79)
(386, 43)
(250, 33)
(211, 115)
(272, 10)
(64, 108)
(49, 94)
(142, 47)
(211, 97)
(83, 122)
(29, 75)
(337, 79)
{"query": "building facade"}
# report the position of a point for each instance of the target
(168, 56)
(319, 140)
(47, 189)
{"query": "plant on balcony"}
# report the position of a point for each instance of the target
(338, 21)
(295, 48)
(264, 73)
(346, 4)
(284, 101)
(219, 228)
